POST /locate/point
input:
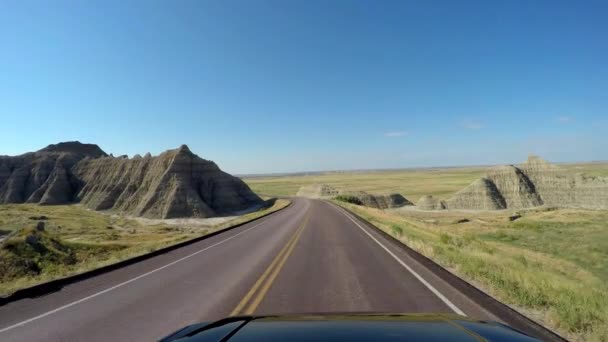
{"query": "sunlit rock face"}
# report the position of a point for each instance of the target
(177, 183)
(379, 201)
(430, 203)
(533, 183)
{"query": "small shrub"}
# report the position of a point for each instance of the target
(503, 237)
(459, 242)
(469, 238)
(522, 259)
(438, 250)
(349, 199)
(445, 238)
(397, 231)
(113, 236)
(488, 249)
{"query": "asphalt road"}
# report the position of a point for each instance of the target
(311, 257)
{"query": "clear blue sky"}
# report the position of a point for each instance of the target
(274, 86)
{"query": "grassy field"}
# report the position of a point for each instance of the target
(551, 264)
(591, 169)
(75, 240)
(412, 184)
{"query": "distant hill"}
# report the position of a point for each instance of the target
(379, 201)
(533, 183)
(177, 183)
(75, 148)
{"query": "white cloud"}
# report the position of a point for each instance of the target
(472, 124)
(395, 134)
(564, 119)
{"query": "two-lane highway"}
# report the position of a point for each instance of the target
(310, 257)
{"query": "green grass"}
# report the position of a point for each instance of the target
(412, 184)
(590, 169)
(583, 241)
(550, 264)
(553, 265)
(76, 240)
(348, 199)
(396, 230)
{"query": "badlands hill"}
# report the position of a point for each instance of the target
(531, 184)
(379, 201)
(430, 203)
(177, 183)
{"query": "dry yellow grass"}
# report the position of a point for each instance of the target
(410, 183)
(76, 240)
(552, 264)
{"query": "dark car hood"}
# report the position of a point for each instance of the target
(350, 327)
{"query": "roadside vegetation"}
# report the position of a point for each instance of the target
(42, 243)
(348, 199)
(551, 264)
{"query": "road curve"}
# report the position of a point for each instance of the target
(311, 257)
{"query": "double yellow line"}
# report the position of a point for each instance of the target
(267, 278)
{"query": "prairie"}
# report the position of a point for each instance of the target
(411, 183)
(74, 239)
(551, 264)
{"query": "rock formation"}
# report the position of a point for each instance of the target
(176, 183)
(514, 186)
(391, 200)
(378, 201)
(44, 176)
(531, 184)
(481, 194)
(503, 187)
(430, 203)
(560, 189)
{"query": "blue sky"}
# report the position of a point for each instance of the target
(275, 86)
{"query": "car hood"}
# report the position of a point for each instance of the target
(350, 327)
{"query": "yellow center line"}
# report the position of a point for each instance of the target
(275, 273)
(268, 271)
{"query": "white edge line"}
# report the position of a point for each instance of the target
(123, 283)
(422, 280)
